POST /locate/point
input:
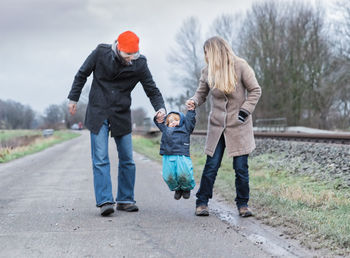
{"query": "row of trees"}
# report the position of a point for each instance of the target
(14, 115)
(301, 60)
(58, 115)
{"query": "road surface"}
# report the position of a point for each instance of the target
(47, 209)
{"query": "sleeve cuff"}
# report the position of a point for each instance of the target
(195, 101)
(161, 110)
(242, 115)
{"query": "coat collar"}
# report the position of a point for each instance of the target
(116, 55)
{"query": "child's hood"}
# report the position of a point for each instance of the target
(182, 117)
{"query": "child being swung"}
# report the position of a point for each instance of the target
(175, 149)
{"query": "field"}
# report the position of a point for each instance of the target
(18, 143)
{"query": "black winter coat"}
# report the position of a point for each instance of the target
(176, 140)
(110, 93)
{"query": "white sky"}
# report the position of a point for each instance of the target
(44, 42)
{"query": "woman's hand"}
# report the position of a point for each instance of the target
(242, 115)
(190, 104)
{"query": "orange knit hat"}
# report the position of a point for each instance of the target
(128, 42)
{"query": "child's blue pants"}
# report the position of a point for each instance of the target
(178, 172)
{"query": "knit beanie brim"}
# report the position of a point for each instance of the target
(128, 42)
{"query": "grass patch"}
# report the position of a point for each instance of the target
(314, 211)
(316, 207)
(147, 146)
(9, 134)
(41, 143)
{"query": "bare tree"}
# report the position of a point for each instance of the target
(263, 46)
(320, 72)
(290, 50)
(228, 27)
(53, 116)
(303, 72)
(341, 28)
(138, 115)
(171, 101)
(187, 60)
(28, 117)
(2, 114)
(14, 115)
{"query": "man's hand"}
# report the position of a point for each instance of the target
(72, 108)
(160, 115)
(190, 104)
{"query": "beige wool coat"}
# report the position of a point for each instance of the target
(223, 117)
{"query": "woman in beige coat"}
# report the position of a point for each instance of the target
(234, 95)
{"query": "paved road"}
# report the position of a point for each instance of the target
(47, 209)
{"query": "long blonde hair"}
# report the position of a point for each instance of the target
(221, 66)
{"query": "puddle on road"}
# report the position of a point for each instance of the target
(258, 234)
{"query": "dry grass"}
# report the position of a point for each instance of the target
(38, 144)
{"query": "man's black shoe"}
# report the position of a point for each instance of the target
(130, 207)
(107, 209)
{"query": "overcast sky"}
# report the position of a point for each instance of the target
(44, 42)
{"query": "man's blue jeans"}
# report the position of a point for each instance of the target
(212, 165)
(101, 167)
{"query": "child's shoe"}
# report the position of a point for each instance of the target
(186, 194)
(178, 194)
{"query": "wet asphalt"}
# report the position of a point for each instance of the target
(47, 209)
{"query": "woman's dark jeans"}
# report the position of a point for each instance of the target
(212, 165)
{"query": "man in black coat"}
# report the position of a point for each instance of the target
(116, 68)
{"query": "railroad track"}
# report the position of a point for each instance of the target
(339, 138)
(306, 137)
(342, 138)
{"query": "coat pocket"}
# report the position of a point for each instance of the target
(233, 121)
